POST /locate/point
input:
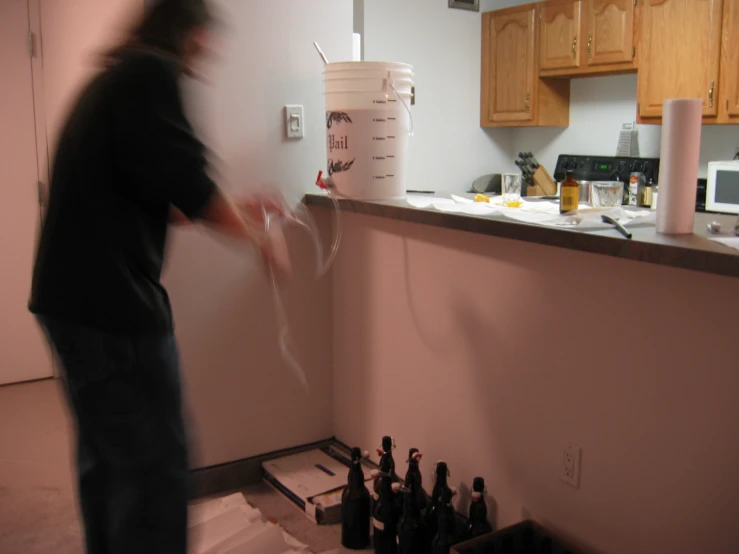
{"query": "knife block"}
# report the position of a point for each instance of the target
(544, 185)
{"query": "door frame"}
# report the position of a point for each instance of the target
(43, 164)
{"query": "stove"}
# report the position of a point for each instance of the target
(605, 168)
(613, 168)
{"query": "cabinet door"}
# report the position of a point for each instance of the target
(680, 50)
(610, 31)
(560, 29)
(730, 59)
(510, 56)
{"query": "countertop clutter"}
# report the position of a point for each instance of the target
(697, 252)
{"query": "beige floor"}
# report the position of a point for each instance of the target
(38, 513)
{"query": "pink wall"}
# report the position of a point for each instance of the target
(243, 398)
(492, 354)
(74, 32)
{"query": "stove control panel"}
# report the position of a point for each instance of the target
(605, 168)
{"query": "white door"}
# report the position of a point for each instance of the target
(24, 355)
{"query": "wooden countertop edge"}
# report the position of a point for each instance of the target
(683, 257)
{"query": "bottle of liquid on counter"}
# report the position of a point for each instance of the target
(636, 184)
(569, 196)
(647, 193)
(355, 507)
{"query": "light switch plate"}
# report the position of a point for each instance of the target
(294, 122)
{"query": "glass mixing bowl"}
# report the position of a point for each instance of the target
(607, 194)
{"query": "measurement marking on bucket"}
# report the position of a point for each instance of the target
(378, 138)
(392, 100)
(378, 157)
(379, 120)
(389, 156)
(391, 119)
(381, 101)
(378, 177)
(389, 175)
(391, 136)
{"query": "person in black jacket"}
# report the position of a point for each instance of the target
(127, 165)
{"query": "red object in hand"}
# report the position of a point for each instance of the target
(319, 182)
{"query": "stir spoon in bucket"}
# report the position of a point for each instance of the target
(320, 52)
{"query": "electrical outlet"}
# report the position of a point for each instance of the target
(570, 472)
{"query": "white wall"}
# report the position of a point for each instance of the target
(598, 107)
(449, 149)
(244, 399)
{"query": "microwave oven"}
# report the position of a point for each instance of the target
(722, 187)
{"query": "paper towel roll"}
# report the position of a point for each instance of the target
(356, 47)
(678, 168)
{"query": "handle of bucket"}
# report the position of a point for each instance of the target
(389, 81)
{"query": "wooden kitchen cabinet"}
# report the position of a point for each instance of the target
(586, 37)
(512, 93)
(729, 88)
(680, 50)
(609, 33)
(559, 34)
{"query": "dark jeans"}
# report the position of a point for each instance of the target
(132, 458)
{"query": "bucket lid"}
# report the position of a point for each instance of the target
(354, 66)
(396, 78)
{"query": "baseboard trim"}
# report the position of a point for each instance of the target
(220, 478)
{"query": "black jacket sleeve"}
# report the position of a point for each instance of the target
(157, 150)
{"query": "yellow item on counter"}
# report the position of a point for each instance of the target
(481, 198)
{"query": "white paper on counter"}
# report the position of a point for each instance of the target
(731, 242)
(455, 204)
(586, 218)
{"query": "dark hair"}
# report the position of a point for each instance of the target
(166, 23)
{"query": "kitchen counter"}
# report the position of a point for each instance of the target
(696, 252)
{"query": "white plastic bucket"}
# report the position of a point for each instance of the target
(368, 74)
(367, 128)
(401, 86)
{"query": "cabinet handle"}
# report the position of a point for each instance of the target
(710, 94)
(590, 46)
(528, 101)
(574, 48)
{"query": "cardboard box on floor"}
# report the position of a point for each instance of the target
(313, 481)
(526, 536)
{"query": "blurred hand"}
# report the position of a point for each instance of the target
(252, 206)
